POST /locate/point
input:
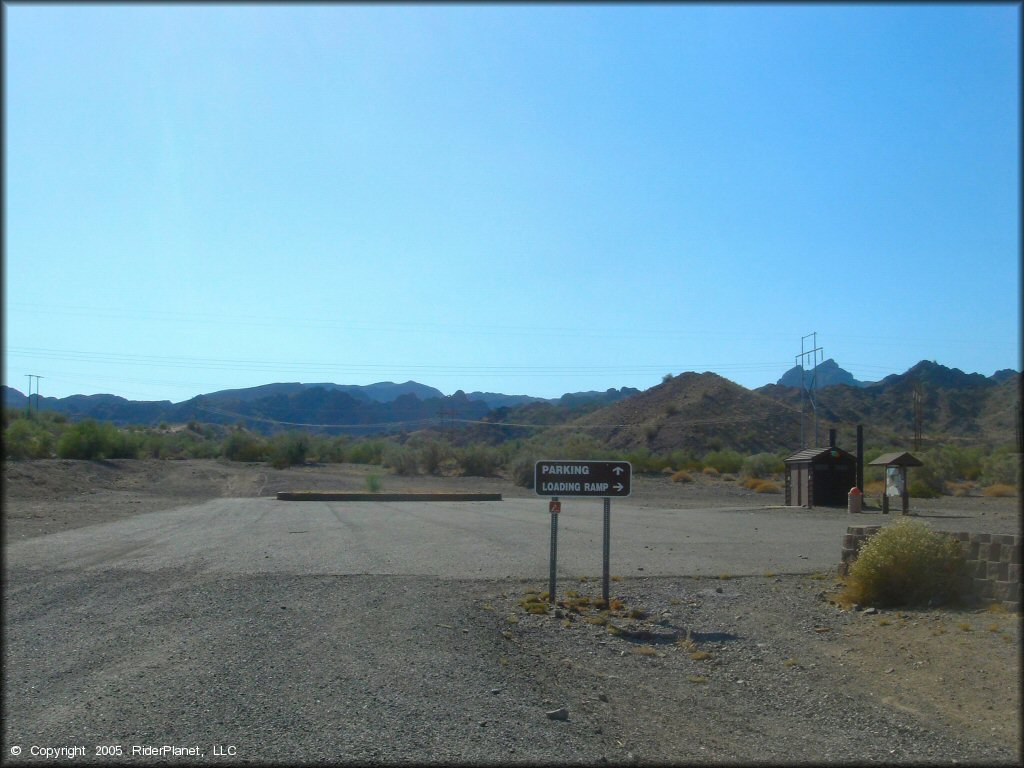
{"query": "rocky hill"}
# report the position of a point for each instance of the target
(954, 405)
(696, 412)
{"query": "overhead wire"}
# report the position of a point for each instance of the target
(482, 422)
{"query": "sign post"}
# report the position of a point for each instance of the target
(555, 506)
(607, 548)
(602, 479)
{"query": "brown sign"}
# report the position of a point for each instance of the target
(582, 478)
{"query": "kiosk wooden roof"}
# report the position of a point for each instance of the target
(899, 459)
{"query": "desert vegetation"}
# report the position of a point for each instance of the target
(948, 469)
(906, 563)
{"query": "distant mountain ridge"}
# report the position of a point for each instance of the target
(826, 374)
(296, 403)
(689, 411)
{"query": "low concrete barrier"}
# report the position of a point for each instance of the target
(341, 496)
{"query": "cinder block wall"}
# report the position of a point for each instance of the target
(993, 562)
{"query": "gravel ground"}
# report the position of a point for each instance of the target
(376, 668)
(410, 669)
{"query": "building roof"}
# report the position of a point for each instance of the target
(810, 454)
(902, 459)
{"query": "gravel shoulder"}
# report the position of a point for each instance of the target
(390, 669)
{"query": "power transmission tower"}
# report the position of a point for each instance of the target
(807, 392)
(450, 413)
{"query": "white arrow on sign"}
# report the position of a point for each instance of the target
(618, 486)
(618, 471)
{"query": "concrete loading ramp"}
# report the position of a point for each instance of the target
(341, 496)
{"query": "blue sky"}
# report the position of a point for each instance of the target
(525, 199)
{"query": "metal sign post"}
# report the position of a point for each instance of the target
(555, 506)
(603, 479)
(607, 548)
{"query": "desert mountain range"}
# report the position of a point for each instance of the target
(699, 411)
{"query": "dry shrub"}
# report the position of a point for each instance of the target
(767, 486)
(906, 563)
(1000, 490)
(682, 476)
(960, 489)
(876, 486)
(710, 472)
(750, 482)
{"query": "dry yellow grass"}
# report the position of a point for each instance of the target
(710, 471)
(1000, 490)
(682, 476)
(960, 489)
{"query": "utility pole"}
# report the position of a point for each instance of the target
(29, 404)
(918, 413)
(1018, 423)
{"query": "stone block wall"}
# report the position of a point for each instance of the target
(993, 562)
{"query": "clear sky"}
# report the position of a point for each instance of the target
(525, 199)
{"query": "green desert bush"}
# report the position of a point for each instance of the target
(682, 459)
(28, 438)
(922, 490)
(288, 449)
(91, 439)
(478, 460)
(370, 451)
(1001, 467)
(762, 465)
(402, 459)
(906, 563)
(242, 445)
(644, 461)
(521, 469)
(724, 461)
(432, 454)
(926, 482)
(950, 463)
(330, 449)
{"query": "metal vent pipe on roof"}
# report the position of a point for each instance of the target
(832, 438)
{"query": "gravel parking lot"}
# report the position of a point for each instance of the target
(154, 626)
